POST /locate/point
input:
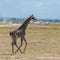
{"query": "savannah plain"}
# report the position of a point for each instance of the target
(43, 41)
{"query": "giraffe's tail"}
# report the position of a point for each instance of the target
(10, 33)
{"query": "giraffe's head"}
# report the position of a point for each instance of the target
(32, 17)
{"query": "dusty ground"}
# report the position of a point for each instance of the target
(43, 43)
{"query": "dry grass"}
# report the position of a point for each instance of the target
(43, 40)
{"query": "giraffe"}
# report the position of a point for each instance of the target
(20, 33)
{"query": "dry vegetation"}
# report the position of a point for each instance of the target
(43, 40)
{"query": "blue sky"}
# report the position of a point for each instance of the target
(24, 8)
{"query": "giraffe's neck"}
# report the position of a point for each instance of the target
(25, 24)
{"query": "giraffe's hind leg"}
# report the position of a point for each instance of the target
(16, 46)
(14, 43)
(13, 48)
(20, 45)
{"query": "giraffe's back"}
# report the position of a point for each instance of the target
(19, 33)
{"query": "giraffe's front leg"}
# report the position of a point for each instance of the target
(25, 44)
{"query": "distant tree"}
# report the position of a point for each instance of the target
(13, 20)
(1, 20)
